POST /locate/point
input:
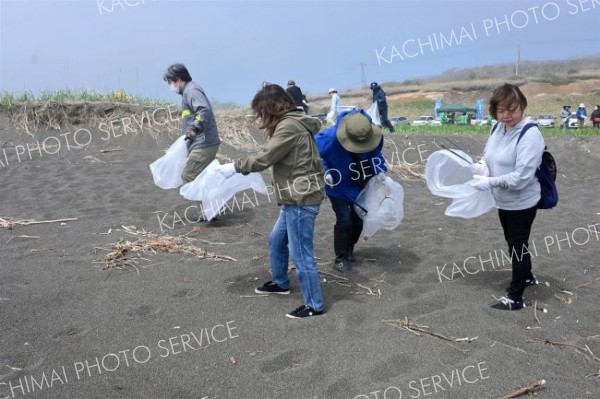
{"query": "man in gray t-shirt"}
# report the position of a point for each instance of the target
(198, 122)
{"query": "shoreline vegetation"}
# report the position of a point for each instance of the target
(549, 85)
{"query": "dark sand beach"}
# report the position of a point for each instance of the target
(178, 326)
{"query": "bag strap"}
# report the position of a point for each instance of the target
(525, 129)
(494, 127)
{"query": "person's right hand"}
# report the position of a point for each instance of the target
(480, 168)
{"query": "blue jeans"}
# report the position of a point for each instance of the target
(293, 235)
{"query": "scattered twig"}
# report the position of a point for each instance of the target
(333, 275)
(122, 253)
(111, 150)
(597, 375)
(535, 312)
(410, 326)
(510, 346)
(10, 223)
(527, 390)
(586, 284)
(563, 300)
(584, 351)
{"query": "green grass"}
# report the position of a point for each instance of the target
(11, 100)
(485, 130)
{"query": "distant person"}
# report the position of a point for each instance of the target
(581, 114)
(380, 98)
(443, 118)
(595, 117)
(464, 118)
(565, 114)
(198, 122)
(508, 169)
(351, 152)
(292, 155)
(333, 113)
(296, 94)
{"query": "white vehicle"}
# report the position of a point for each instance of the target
(545, 120)
(573, 122)
(424, 120)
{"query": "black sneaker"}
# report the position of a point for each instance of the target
(302, 312)
(505, 303)
(351, 257)
(343, 266)
(271, 288)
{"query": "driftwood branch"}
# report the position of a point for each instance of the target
(407, 325)
(584, 351)
(527, 390)
(9, 223)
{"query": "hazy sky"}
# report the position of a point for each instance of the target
(231, 47)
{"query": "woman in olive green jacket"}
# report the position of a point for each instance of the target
(298, 184)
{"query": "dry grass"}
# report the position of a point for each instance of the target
(125, 253)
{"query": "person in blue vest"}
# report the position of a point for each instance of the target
(380, 98)
(509, 169)
(581, 114)
(351, 155)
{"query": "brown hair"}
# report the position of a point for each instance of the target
(507, 95)
(270, 104)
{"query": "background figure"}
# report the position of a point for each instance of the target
(581, 114)
(298, 182)
(379, 96)
(351, 154)
(508, 169)
(595, 117)
(296, 94)
(333, 113)
(565, 113)
(198, 122)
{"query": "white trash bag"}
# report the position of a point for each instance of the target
(373, 112)
(450, 176)
(166, 171)
(214, 190)
(380, 205)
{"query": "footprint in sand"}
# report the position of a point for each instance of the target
(281, 362)
(144, 310)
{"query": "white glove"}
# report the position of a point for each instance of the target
(480, 168)
(227, 170)
(481, 183)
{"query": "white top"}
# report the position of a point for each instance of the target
(513, 166)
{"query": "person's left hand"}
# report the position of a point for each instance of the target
(227, 170)
(481, 183)
(480, 168)
(191, 134)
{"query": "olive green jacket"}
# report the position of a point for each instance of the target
(297, 168)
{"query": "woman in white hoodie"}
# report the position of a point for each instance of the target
(508, 168)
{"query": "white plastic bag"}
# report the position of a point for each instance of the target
(166, 171)
(214, 190)
(380, 205)
(450, 176)
(373, 112)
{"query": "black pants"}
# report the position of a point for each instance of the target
(385, 122)
(347, 229)
(517, 227)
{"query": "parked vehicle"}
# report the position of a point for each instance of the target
(399, 120)
(546, 120)
(573, 122)
(424, 120)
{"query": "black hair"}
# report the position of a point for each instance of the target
(177, 71)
